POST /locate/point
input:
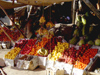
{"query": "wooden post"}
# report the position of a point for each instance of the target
(74, 11)
(7, 35)
(30, 10)
(73, 19)
(13, 2)
(89, 4)
(98, 5)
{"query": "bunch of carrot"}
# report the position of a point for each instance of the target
(85, 59)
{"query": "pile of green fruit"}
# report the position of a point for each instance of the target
(85, 31)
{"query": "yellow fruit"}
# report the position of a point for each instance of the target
(57, 52)
(13, 53)
(42, 19)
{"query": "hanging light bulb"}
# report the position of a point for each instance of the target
(62, 3)
(54, 3)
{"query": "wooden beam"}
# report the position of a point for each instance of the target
(7, 35)
(47, 6)
(12, 21)
(89, 4)
(74, 11)
(30, 10)
(42, 2)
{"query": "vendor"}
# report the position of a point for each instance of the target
(30, 28)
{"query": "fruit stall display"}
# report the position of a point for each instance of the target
(72, 54)
(54, 50)
(84, 60)
(28, 46)
(13, 53)
(15, 35)
(32, 47)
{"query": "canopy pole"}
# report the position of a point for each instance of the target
(30, 11)
(89, 4)
(73, 18)
(12, 21)
(7, 35)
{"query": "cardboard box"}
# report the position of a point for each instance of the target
(49, 64)
(77, 71)
(9, 62)
(62, 65)
(54, 71)
(42, 62)
(28, 64)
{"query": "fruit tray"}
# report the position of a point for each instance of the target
(93, 65)
(97, 47)
(27, 47)
(21, 43)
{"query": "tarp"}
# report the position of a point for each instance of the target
(42, 2)
(9, 5)
(20, 11)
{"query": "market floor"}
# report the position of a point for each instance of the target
(12, 71)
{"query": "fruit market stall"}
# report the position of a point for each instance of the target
(58, 48)
(63, 56)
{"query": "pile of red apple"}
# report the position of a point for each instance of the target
(28, 46)
(71, 55)
(21, 43)
(50, 45)
(13, 34)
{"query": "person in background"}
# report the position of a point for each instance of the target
(30, 28)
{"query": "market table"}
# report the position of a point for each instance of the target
(12, 71)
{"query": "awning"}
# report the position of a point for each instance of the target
(20, 11)
(9, 5)
(42, 2)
